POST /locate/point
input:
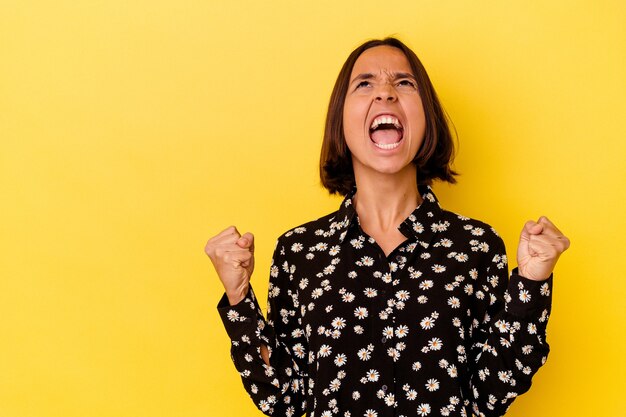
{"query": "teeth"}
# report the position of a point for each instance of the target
(388, 120)
(387, 146)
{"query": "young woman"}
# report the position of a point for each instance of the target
(390, 306)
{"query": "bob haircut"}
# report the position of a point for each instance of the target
(434, 158)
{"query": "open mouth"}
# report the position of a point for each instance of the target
(386, 132)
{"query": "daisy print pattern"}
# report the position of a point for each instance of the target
(437, 327)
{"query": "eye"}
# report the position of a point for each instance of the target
(406, 83)
(363, 84)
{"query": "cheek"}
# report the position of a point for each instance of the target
(354, 114)
(351, 121)
(418, 122)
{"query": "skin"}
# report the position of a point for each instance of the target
(540, 245)
(233, 259)
(386, 179)
(382, 82)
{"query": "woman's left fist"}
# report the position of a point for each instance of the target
(540, 245)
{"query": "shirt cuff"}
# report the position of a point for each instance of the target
(528, 298)
(240, 320)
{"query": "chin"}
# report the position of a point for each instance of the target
(399, 170)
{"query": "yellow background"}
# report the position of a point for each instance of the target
(132, 131)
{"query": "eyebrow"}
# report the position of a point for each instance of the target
(396, 76)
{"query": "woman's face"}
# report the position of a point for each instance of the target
(383, 116)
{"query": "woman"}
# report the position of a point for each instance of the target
(390, 306)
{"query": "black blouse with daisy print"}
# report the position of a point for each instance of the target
(435, 328)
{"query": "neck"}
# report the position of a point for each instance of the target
(384, 201)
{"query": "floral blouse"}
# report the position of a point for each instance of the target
(435, 328)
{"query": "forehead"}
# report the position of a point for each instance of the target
(381, 59)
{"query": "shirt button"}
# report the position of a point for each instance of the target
(398, 258)
(384, 340)
(384, 388)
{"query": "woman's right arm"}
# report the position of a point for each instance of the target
(270, 355)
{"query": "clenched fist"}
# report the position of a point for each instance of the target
(540, 246)
(233, 258)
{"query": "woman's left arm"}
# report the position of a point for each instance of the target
(508, 338)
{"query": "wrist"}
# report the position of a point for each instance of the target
(235, 297)
(529, 275)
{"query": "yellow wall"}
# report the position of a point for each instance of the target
(131, 131)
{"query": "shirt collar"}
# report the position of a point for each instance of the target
(421, 223)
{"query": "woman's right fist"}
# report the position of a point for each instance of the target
(232, 256)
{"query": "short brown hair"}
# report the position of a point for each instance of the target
(434, 158)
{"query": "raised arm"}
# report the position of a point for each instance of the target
(508, 337)
(267, 353)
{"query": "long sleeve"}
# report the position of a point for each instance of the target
(279, 389)
(435, 327)
(508, 338)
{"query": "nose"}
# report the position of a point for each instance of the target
(386, 92)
